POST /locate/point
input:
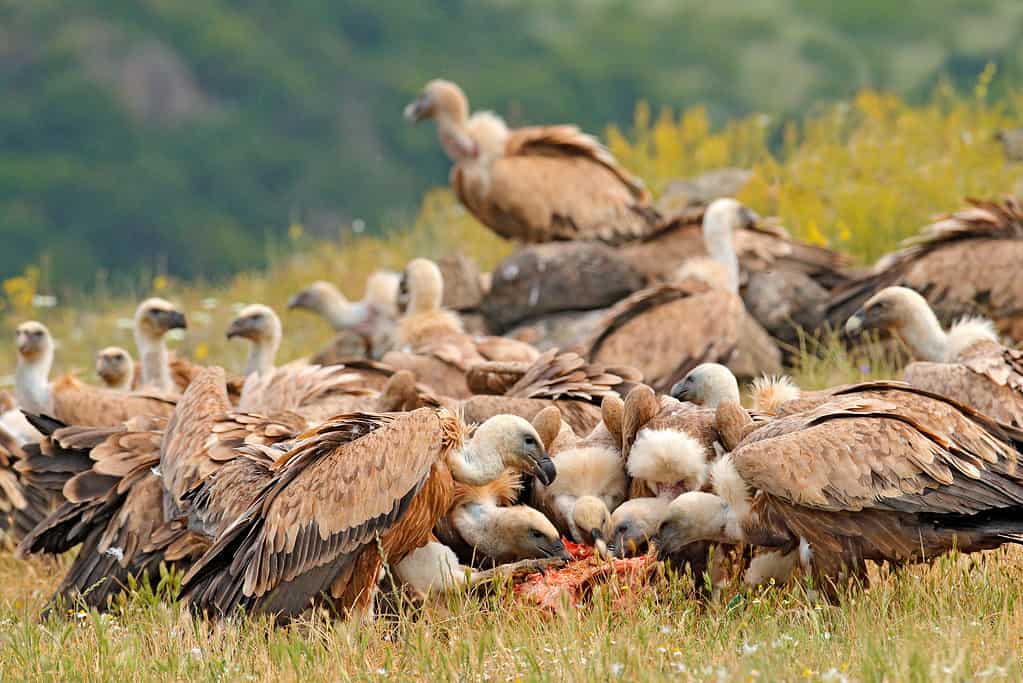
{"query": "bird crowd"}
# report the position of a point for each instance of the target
(586, 392)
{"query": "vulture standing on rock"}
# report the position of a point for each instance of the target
(966, 263)
(966, 363)
(534, 184)
(357, 490)
(66, 398)
(668, 329)
(881, 471)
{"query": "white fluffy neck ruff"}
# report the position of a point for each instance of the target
(771, 393)
(965, 333)
(477, 463)
(32, 383)
(670, 457)
(733, 490)
(718, 224)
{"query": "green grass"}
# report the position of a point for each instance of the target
(958, 619)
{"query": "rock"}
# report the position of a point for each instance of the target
(551, 278)
(463, 290)
(702, 189)
(566, 331)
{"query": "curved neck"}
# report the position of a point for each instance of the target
(338, 310)
(717, 238)
(262, 355)
(455, 138)
(154, 367)
(473, 465)
(922, 333)
(426, 298)
(472, 521)
(32, 385)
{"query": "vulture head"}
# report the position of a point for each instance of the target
(439, 99)
(592, 520)
(422, 287)
(634, 523)
(116, 368)
(318, 297)
(257, 323)
(502, 442)
(692, 517)
(156, 317)
(33, 341)
(708, 384)
(509, 534)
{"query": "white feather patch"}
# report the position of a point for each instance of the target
(730, 486)
(668, 456)
(770, 393)
(965, 333)
(771, 565)
(432, 568)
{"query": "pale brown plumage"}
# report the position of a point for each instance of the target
(23, 503)
(882, 471)
(965, 263)
(966, 362)
(312, 529)
(116, 368)
(535, 184)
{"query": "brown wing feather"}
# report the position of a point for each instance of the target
(77, 403)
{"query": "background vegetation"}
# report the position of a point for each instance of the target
(152, 136)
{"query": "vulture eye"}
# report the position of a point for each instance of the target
(534, 533)
(529, 440)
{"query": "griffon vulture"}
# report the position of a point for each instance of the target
(966, 263)
(882, 471)
(966, 363)
(154, 318)
(116, 368)
(534, 184)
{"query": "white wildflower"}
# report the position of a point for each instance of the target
(209, 303)
(358, 226)
(44, 301)
(196, 653)
(748, 649)
(617, 668)
(833, 676)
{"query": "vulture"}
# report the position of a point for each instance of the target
(484, 528)
(351, 493)
(66, 398)
(666, 330)
(880, 471)
(431, 341)
(372, 319)
(591, 481)
(262, 328)
(966, 362)
(154, 318)
(115, 368)
(634, 524)
(965, 263)
(23, 503)
(534, 184)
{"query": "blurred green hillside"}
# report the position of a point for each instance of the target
(150, 136)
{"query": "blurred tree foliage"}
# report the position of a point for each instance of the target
(145, 136)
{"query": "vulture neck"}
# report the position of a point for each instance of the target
(717, 238)
(454, 136)
(262, 354)
(475, 464)
(474, 522)
(426, 297)
(339, 312)
(922, 333)
(32, 386)
(155, 367)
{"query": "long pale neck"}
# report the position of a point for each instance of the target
(340, 312)
(923, 335)
(470, 466)
(32, 385)
(472, 522)
(262, 355)
(717, 238)
(155, 370)
(425, 299)
(455, 139)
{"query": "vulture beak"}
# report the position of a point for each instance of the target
(237, 328)
(418, 109)
(299, 300)
(749, 217)
(600, 545)
(680, 390)
(176, 320)
(559, 551)
(854, 325)
(544, 470)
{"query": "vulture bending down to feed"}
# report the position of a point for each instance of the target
(535, 184)
(966, 363)
(373, 318)
(882, 471)
(966, 263)
(352, 492)
(116, 368)
(666, 330)
(67, 399)
(431, 342)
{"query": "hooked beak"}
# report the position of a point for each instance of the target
(854, 325)
(600, 545)
(559, 551)
(298, 301)
(415, 111)
(236, 329)
(176, 320)
(545, 471)
(680, 391)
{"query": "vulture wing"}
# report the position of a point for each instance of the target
(82, 404)
(344, 484)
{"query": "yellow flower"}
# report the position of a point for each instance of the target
(202, 351)
(295, 231)
(160, 283)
